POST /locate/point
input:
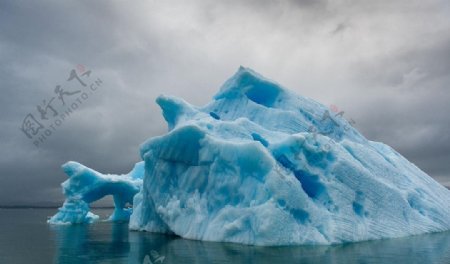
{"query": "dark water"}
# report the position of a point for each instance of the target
(26, 238)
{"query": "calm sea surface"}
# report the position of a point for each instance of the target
(25, 237)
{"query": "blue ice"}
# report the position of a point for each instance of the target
(261, 165)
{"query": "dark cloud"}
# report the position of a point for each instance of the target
(385, 63)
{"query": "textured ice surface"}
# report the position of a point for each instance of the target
(85, 186)
(261, 165)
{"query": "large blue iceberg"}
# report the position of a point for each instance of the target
(261, 165)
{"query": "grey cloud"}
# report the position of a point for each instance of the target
(389, 72)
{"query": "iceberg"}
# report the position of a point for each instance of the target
(261, 165)
(86, 185)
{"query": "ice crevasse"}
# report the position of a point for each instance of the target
(261, 165)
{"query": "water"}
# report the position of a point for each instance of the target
(26, 238)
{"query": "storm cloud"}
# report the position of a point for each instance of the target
(385, 63)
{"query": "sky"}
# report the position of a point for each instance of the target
(384, 63)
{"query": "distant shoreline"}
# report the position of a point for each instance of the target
(58, 206)
(45, 207)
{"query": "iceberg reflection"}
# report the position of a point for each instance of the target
(114, 243)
